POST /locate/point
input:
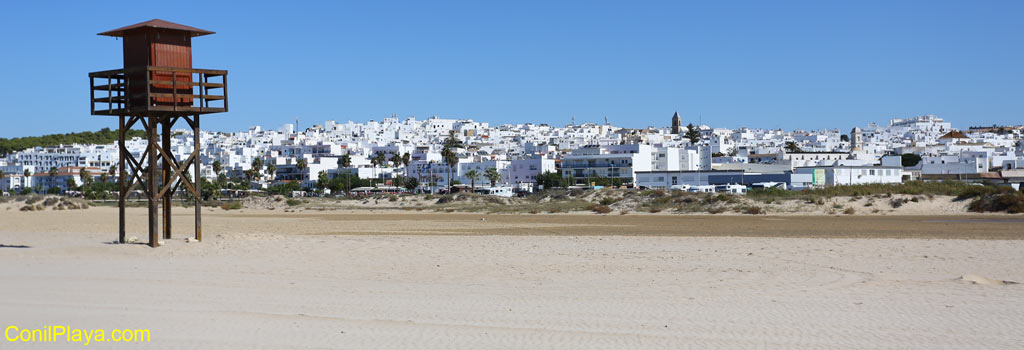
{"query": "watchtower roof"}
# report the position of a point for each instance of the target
(157, 23)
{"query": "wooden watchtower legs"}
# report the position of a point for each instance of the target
(198, 182)
(151, 150)
(122, 187)
(162, 177)
(167, 164)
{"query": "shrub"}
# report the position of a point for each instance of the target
(897, 202)
(1006, 199)
(445, 199)
(231, 205)
(716, 210)
(849, 211)
(752, 210)
(293, 202)
(609, 201)
(600, 209)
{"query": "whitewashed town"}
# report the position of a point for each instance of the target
(437, 154)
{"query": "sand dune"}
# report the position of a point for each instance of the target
(271, 280)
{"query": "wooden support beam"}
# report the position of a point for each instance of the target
(197, 157)
(167, 164)
(151, 149)
(122, 188)
(178, 172)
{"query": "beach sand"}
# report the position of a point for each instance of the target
(266, 279)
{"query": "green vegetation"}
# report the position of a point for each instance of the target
(551, 180)
(945, 188)
(600, 209)
(692, 134)
(103, 136)
(910, 159)
(999, 199)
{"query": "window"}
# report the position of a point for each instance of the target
(871, 172)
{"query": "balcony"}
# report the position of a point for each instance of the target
(158, 90)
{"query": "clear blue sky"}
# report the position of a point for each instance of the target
(807, 64)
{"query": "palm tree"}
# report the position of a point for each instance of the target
(301, 165)
(217, 167)
(257, 167)
(406, 159)
(1, 174)
(85, 176)
(345, 161)
(396, 159)
(473, 175)
(53, 176)
(792, 147)
(321, 181)
(28, 172)
(271, 171)
(449, 155)
(380, 160)
(113, 170)
(493, 175)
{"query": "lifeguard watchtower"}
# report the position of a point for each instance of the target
(156, 88)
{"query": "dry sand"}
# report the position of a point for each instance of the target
(399, 280)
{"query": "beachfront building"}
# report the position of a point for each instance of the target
(841, 175)
(608, 161)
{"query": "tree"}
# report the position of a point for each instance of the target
(550, 180)
(85, 176)
(396, 159)
(792, 147)
(910, 159)
(113, 170)
(322, 181)
(449, 155)
(493, 175)
(1, 174)
(271, 171)
(345, 161)
(53, 176)
(257, 168)
(692, 134)
(104, 178)
(411, 183)
(473, 175)
(70, 182)
(406, 159)
(28, 172)
(217, 167)
(301, 165)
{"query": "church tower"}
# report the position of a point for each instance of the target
(677, 124)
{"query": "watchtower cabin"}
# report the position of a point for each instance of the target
(158, 74)
(157, 87)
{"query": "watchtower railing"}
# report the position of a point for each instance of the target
(158, 89)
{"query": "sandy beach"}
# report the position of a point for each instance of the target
(399, 280)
